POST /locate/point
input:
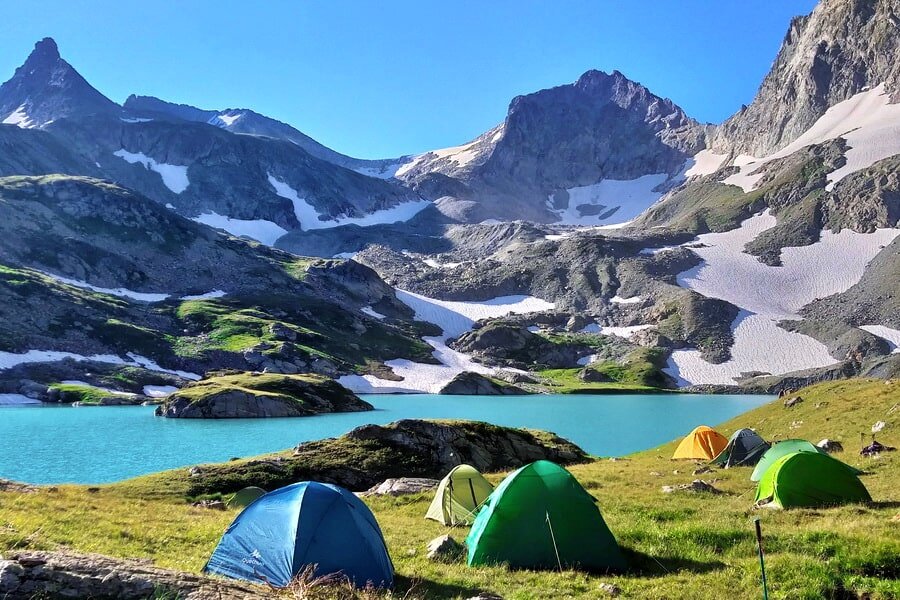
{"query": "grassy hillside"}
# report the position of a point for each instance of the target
(680, 545)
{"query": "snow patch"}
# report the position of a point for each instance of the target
(620, 300)
(622, 332)
(229, 119)
(134, 120)
(454, 318)
(767, 295)
(629, 197)
(705, 162)
(439, 265)
(9, 360)
(891, 336)
(120, 292)
(174, 177)
(264, 232)
(207, 296)
(388, 171)
(19, 118)
(372, 312)
(159, 391)
(345, 255)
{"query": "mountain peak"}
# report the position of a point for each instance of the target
(46, 88)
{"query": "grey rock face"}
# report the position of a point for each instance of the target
(46, 88)
(840, 49)
(402, 486)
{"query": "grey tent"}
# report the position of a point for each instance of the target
(744, 449)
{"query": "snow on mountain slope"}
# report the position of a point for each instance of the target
(118, 292)
(891, 336)
(264, 232)
(310, 219)
(610, 201)
(19, 118)
(705, 162)
(175, 177)
(767, 295)
(9, 360)
(454, 319)
(869, 123)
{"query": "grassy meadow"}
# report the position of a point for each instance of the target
(679, 545)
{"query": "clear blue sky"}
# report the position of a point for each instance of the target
(378, 78)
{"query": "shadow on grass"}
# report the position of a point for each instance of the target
(884, 504)
(646, 565)
(424, 588)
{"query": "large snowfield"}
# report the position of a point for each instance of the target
(264, 232)
(767, 295)
(867, 121)
(454, 319)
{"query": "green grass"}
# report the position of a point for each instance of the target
(679, 545)
(86, 394)
(640, 370)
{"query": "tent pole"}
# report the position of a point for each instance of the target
(762, 562)
(553, 539)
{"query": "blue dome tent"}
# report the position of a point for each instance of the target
(304, 524)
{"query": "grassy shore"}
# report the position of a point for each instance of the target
(680, 545)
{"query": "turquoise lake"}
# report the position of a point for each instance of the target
(62, 444)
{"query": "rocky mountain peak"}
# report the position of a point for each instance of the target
(46, 88)
(840, 49)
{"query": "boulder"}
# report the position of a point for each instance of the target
(27, 575)
(830, 446)
(402, 486)
(251, 395)
(12, 486)
(589, 375)
(610, 589)
(475, 384)
(791, 402)
(444, 549)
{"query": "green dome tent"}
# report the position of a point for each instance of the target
(744, 449)
(778, 450)
(809, 479)
(245, 497)
(459, 496)
(541, 517)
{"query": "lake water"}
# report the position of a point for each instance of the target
(63, 444)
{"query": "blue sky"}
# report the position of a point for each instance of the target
(389, 77)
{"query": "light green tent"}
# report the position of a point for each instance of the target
(778, 450)
(459, 496)
(245, 497)
(809, 479)
(540, 517)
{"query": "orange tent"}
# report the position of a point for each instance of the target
(702, 443)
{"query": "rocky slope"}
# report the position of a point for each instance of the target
(372, 453)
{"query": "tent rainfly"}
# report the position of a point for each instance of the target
(745, 448)
(459, 496)
(245, 497)
(703, 443)
(778, 450)
(809, 479)
(305, 525)
(540, 517)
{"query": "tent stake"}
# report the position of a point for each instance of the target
(762, 562)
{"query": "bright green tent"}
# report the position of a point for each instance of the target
(809, 479)
(245, 497)
(777, 451)
(540, 517)
(459, 496)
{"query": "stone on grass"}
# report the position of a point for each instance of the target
(444, 549)
(697, 485)
(611, 589)
(878, 426)
(830, 446)
(793, 401)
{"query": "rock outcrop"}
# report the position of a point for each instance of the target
(64, 575)
(254, 395)
(370, 454)
(469, 383)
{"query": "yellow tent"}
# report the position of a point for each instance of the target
(704, 443)
(459, 496)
